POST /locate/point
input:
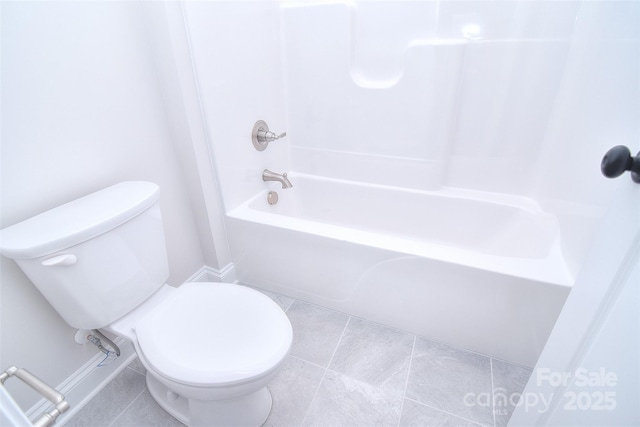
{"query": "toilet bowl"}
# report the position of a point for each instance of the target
(209, 349)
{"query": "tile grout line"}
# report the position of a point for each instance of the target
(406, 382)
(335, 350)
(493, 393)
(308, 361)
(128, 406)
(286, 310)
(327, 370)
(135, 370)
(447, 412)
(324, 374)
(391, 327)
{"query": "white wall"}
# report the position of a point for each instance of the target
(424, 94)
(597, 107)
(405, 93)
(166, 22)
(390, 92)
(237, 59)
(84, 105)
(82, 108)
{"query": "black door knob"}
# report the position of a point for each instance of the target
(618, 160)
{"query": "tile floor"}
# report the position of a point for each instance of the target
(345, 371)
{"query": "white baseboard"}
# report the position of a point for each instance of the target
(226, 274)
(90, 379)
(86, 382)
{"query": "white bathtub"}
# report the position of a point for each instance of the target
(477, 270)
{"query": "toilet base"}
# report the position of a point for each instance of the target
(249, 410)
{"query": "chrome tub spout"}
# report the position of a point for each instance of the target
(267, 175)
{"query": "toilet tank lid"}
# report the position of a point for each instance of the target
(78, 221)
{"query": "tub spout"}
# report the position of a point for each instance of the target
(267, 175)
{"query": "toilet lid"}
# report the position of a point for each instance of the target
(214, 333)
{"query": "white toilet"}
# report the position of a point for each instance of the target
(209, 348)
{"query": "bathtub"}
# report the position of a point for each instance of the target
(481, 271)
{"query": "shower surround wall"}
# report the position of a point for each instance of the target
(415, 94)
(424, 94)
(432, 100)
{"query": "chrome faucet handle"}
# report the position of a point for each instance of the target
(267, 136)
(261, 136)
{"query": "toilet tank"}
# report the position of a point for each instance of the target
(95, 258)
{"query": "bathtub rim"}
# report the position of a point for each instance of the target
(549, 269)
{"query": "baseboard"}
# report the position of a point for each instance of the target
(226, 274)
(81, 386)
(86, 382)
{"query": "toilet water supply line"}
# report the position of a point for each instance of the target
(110, 355)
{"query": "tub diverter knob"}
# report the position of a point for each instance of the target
(618, 160)
(272, 197)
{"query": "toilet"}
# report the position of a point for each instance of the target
(210, 349)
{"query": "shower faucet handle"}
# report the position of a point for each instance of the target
(268, 136)
(261, 136)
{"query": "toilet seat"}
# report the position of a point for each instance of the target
(214, 334)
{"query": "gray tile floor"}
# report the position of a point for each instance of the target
(345, 371)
